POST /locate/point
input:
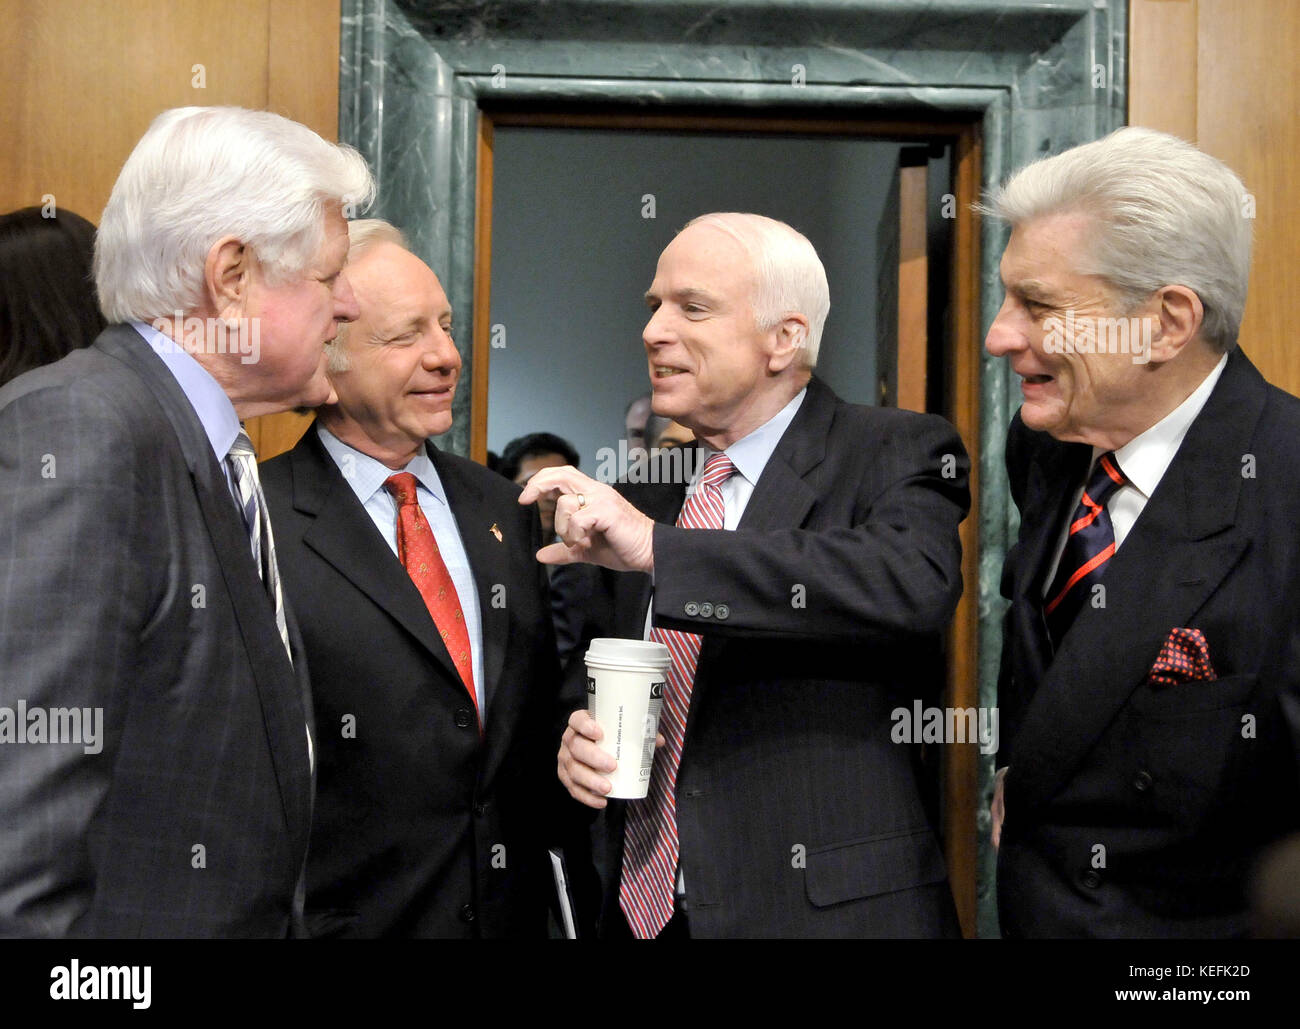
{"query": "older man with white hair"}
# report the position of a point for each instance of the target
(1151, 663)
(801, 585)
(155, 725)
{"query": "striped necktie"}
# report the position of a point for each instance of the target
(650, 847)
(257, 520)
(1088, 549)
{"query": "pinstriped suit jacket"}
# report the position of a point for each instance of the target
(798, 815)
(127, 585)
(1135, 808)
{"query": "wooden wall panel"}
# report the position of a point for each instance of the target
(302, 84)
(303, 63)
(1248, 99)
(1224, 74)
(1162, 66)
(82, 80)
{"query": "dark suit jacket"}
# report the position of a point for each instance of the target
(797, 814)
(1134, 809)
(127, 585)
(421, 828)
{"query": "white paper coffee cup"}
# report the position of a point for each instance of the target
(626, 680)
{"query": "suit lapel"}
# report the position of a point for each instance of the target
(782, 499)
(282, 710)
(344, 536)
(1049, 497)
(1183, 545)
(489, 561)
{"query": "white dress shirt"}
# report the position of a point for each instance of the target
(366, 476)
(1143, 460)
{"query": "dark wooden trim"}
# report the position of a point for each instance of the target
(913, 352)
(962, 365)
(805, 125)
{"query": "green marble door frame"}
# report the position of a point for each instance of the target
(1037, 76)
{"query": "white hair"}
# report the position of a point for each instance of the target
(363, 234)
(366, 232)
(201, 173)
(1166, 213)
(788, 275)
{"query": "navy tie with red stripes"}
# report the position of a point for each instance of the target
(1088, 549)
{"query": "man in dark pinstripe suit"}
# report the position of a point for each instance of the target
(810, 608)
(135, 587)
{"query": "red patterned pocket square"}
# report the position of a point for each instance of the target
(1185, 657)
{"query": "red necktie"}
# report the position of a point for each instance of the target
(1088, 548)
(418, 552)
(650, 846)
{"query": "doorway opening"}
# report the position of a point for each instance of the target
(574, 206)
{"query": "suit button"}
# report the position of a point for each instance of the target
(1142, 782)
(463, 718)
(467, 913)
(721, 612)
(706, 610)
(1091, 879)
(692, 609)
(479, 809)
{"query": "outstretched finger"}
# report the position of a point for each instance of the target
(558, 481)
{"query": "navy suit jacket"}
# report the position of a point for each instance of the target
(821, 614)
(422, 828)
(1135, 808)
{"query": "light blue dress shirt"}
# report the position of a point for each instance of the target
(216, 414)
(366, 476)
(209, 400)
(750, 456)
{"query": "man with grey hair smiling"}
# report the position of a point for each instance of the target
(426, 621)
(138, 572)
(1151, 657)
(800, 584)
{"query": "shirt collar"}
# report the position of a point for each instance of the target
(210, 402)
(750, 454)
(367, 475)
(1145, 458)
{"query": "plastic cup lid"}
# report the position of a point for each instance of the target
(628, 652)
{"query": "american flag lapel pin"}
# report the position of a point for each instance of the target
(495, 532)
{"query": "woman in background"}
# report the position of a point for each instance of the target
(48, 306)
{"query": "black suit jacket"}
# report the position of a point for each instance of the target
(127, 585)
(797, 814)
(1135, 809)
(422, 828)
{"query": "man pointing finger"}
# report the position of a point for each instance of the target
(800, 578)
